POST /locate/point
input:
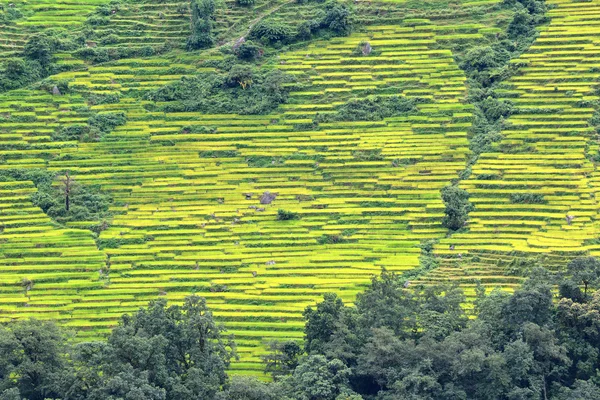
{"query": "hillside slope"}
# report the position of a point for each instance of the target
(196, 197)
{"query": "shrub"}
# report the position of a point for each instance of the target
(248, 51)
(283, 215)
(337, 18)
(457, 207)
(270, 32)
(40, 48)
(261, 92)
(202, 24)
(527, 198)
(245, 3)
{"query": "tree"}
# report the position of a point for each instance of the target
(457, 207)
(67, 182)
(321, 322)
(283, 358)
(584, 271)
(337, 18)
(386, 303)
(316, 378)
(249, 388)
(283, 215)
(40, 48)
(201, 24)
(248, 51)
(31, 356)
(172, 353)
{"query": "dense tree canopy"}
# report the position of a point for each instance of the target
(397, 342)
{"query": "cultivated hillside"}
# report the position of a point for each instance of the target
(262, 176)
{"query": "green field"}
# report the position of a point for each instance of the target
(186, 201)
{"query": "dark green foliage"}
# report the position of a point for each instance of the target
(248, 51)
(411, 343)
(36, 61)
(244, 89)
(527, 198)
(371, 109)
(249, 388)
(283, 215)
(457, 207)
(159, 353)
(332, 19)
(171, 353)
(19, 72)
(317, 378)
(39, 177)
(40, 48)
(245, 3)
(86, 203)
(202, 22)
(584, 271)
(283, 358)
(321, 322)
(397, 342)
(31, 359)
(270, 32)
(486, 66)
(337, 18)
(102, 123)
(102, 54)
(8, 14)
(98, 126)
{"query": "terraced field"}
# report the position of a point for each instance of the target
(188, 211)
(40, 15)
(546, 150)
(191, 218)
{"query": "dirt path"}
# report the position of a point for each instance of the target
(256, 20)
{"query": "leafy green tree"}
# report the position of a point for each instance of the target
(337, 18)
(31, 357)
(284, 215)
(316, 378)
(201, 24)
(270, 32)
(248, 51)
(457, 207)
(283, 358)
(40, 48)
(175, 352)
(249, 388)
(386, 303)
(321, 322)
(11, 394)
(585, 271)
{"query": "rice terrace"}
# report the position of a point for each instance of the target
(262, 154)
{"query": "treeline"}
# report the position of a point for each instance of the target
(399, 341)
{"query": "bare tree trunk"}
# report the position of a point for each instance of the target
(68, 182)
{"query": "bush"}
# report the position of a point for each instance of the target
(270, 32)
(102, 123)
(241, 75)
(86, 203)
(248, 51)
(337, 18)
(245, 3)
(457, 207)
(243, 90)
(527, 198)
(202, 24)
(40, 48)
(283, 215)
